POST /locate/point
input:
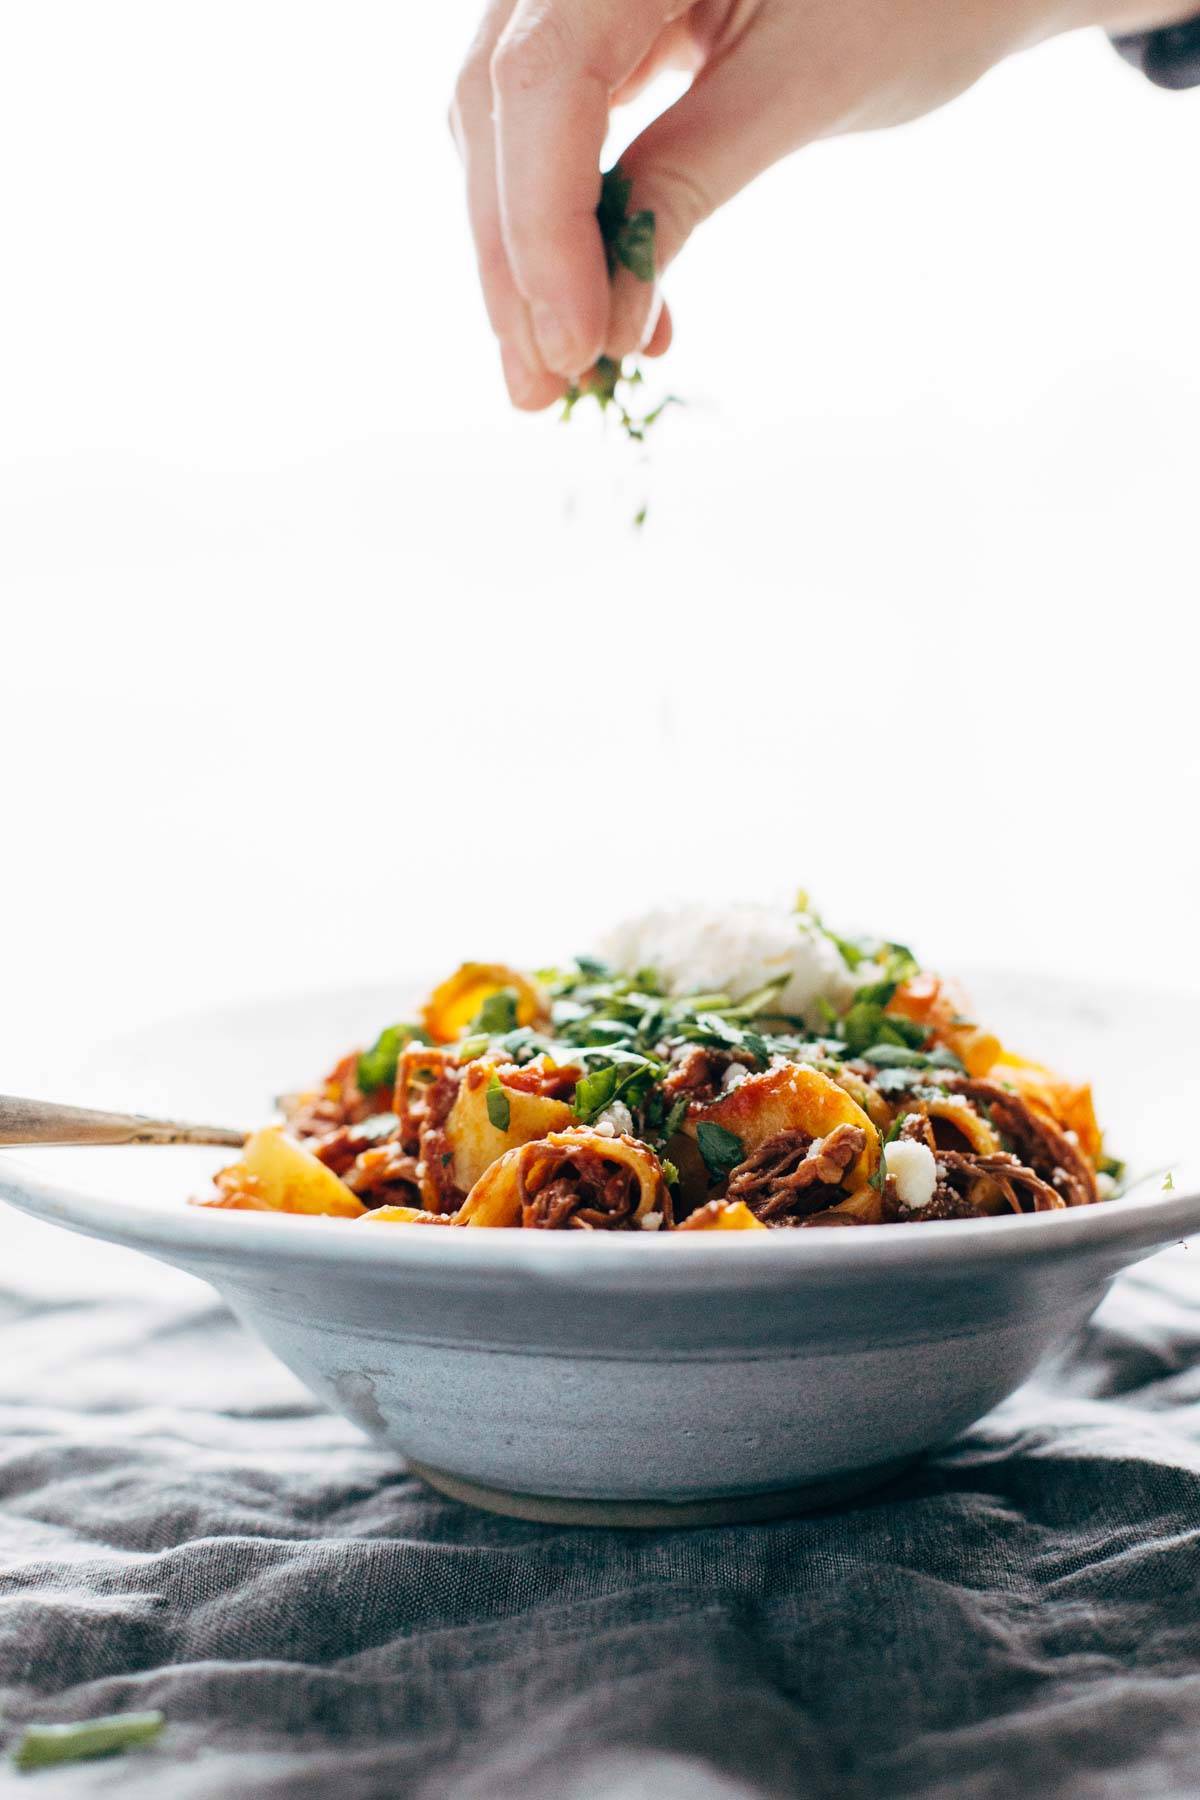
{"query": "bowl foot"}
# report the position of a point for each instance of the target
(655, 1515)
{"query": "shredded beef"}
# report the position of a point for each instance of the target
(555, 1083)
(947, 1203)
(1040, 1144)
(793, 1174)
(385, 1175)
(917, 1129)
(580, 1189)
(338, 1102)
(961, 1177)
(339, 1149)
(423, 1136)
(700, 1072)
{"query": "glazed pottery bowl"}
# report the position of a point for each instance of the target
(630, 1379)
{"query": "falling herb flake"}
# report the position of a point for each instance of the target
(43, 1745)
(499, 1108)
(628, 240)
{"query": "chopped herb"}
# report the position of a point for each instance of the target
(625, 1079)
(861, 1026)
(472, 1047)
(628, 240)
(594, 1092)
(499, 1108)
(721, 1150)
(1113, 1167)
(760, 1000)
(675, 1118)
(1168, 1186)
(670, 1172)
(851, 953)
(377, 1066)
(610, 383)
(43, 1745)
(628, 237)
(595, 971)
(900, 1056)
(879, 1178)
(498, 1013)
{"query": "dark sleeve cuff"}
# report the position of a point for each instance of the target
(1170, 58)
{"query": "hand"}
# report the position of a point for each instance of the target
(531, 113)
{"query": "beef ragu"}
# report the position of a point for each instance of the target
(833, 1082)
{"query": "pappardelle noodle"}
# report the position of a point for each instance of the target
(826, 1082)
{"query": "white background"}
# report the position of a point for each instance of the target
(316, 661)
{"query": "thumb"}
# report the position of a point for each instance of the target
(748, 108)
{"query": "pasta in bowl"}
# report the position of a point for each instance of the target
(825, 1082)
(499, 1237)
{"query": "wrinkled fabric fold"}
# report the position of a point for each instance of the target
(181, 1526)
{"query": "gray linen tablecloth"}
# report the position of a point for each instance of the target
(181, 1527)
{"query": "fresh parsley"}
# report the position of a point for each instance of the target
(497, 1015)
(499, 1107)
(721, 1150)
(377, 1066)
(628, 240)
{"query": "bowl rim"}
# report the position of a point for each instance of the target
(199, 1238)
(192, 1235)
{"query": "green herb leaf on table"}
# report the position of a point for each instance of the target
(499, 1107)
(43, 1745)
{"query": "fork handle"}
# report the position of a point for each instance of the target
(42, 1122)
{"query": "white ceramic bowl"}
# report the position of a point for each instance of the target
(637, 1379)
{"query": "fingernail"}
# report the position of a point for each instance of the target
(656, 306)
(554, 341)
(521, 379)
